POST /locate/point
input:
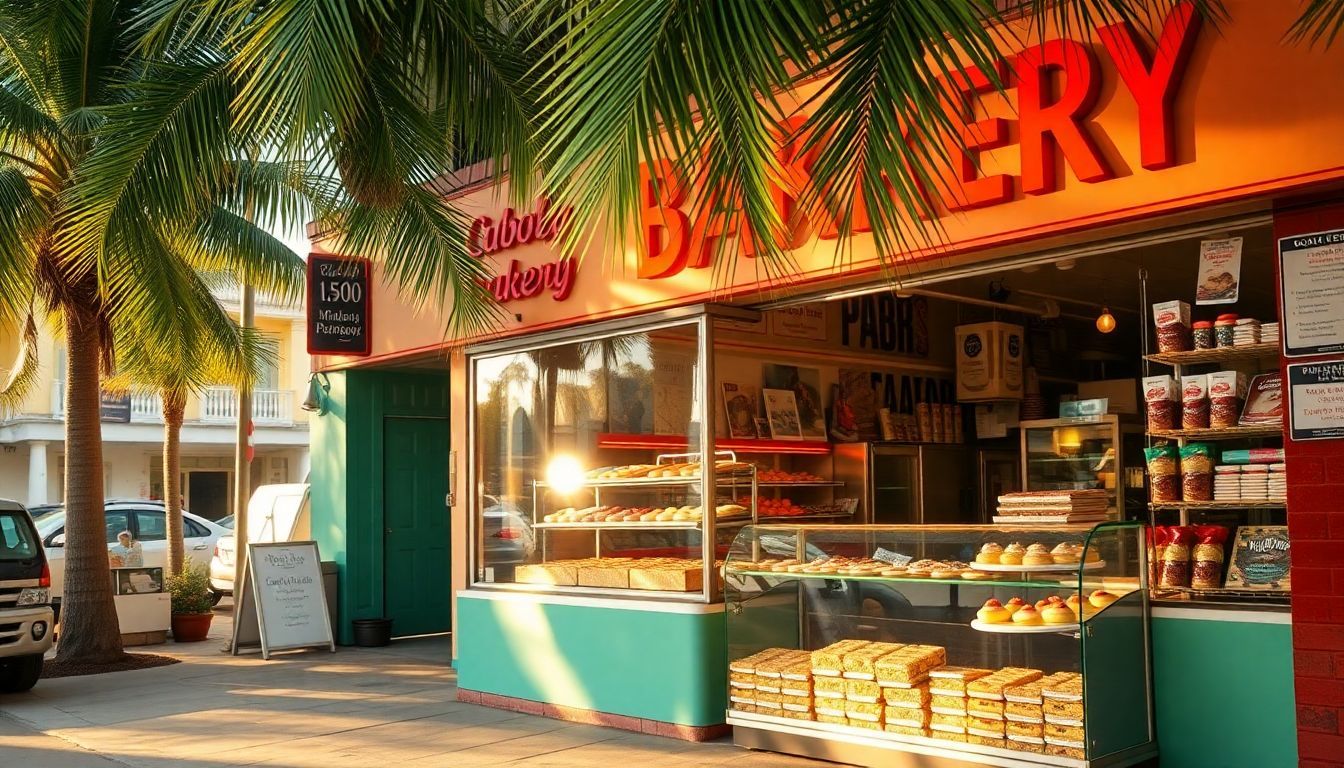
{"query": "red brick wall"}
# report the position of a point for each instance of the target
(1316, 527)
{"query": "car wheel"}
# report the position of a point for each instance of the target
(20, 674)
(215, 597)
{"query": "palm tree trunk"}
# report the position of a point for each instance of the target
(89, 629)
(174, 404)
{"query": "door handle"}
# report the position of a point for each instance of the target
(200, 546)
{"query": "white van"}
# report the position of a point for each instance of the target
(275, 513)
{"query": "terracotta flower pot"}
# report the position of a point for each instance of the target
(191, 627)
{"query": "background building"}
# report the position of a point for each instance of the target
(32, 436)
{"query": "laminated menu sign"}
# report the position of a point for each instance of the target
(281, 601)
(1312, 266)
(1260, 559)
(1316, 401)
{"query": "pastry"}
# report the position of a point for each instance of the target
(909, 665)
(984, 741)
(1067, 552)
(1027, 617)
(1060, 711)
(948, 705)
(1012, 554)
(871, 725)
(748, 664)
(826, 662)
(992, 686)
(796, 703)
(979, 575)
(1029, 730)
(1014, 604)
(989, 554)
(1038, 554)
(828, 687)
(1101, 598)
(839, 719)
(862, 690)
(1059, 613)
(797, 714)
(1023, 712)
(945, 573)
(1069, 734)
(902, 730)
(1075, 605)
(864, 711)
(984, 708)
(858, 663)
(993, 612)
(951, 681)
(915, 697)
(985, 728)
(947, 724)
(774, 700)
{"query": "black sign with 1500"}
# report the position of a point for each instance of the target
(338, 305)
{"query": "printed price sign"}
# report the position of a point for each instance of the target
(895, 558)
(1316, 401)
(338, 305)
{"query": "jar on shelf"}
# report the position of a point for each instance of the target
(1203, 334)
(1225, 331)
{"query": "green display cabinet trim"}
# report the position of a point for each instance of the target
(1223, 690)
(598, 655)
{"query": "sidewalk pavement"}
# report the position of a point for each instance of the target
(312, 709)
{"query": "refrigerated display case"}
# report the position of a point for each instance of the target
(907, 484)
(1087, 452)
(878, 645)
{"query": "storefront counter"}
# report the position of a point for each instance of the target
(1223, 687)
(655, 667)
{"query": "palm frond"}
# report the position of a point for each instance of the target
(25, 372)
(1320, 23)
(224, 242)
(19, 228)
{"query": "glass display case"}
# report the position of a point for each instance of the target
(999, 645)
(1084, 453)
(557, 507)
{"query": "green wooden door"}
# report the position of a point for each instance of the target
(417, 589)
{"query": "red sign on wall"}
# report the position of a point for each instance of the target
(488, 236)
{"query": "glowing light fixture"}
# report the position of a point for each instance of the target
(564, 474)
(1105, 321)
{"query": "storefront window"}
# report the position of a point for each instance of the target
(553, 423)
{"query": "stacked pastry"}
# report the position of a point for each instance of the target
(1088, 505)
(986, 706)
(1024, 718)
(947, 700)
(828, 681)
(1062, 707)
(903, 676)
(742, 679)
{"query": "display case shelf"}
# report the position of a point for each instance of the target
(1218, 355)
(642, 526)
(616, 440)
(800, 484)
(646, 482)
(1227, 433)
(797, 575)
(1220, 505)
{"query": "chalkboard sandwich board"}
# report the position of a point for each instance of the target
(338, 305)
(281, 602)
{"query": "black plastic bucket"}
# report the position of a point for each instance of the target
(372, 633)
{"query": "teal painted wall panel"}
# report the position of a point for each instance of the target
(1224, 694)
(347, 477)
(647, 664)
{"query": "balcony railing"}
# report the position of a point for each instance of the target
(269, 406)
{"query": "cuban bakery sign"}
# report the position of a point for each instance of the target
(490, 236)
(1053, 90)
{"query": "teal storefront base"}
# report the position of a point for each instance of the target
(654, 661)
(1224, 689)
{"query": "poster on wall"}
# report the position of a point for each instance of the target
(740, 405)
(805, 384)
(1312, 268)
(673, 393)
(885, 322)
(781, 410)
(1316, 401)
(856, 405)
(1219, 279)
(338, 305)
(805, 322)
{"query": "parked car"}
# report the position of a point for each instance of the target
(225, 522)
(507, 532)
(274, 513)
(26, 615)
(147, 524)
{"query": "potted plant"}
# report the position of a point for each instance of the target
(192, 605)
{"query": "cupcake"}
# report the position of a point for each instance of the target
(1012, 554)
(989, 554)
(1027, 617)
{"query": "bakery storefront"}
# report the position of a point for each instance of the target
(1033, 502)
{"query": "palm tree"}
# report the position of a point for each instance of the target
(234, 357)
(122, 182)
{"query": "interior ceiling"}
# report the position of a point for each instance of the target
(1113, 278)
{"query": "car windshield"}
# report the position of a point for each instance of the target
(51, 523)
(16, 539)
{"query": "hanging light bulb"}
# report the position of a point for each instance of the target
(1105, 321)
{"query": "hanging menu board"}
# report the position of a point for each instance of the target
(338, 305)
(281, 603)
(1316, 401)
(1312, 266)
